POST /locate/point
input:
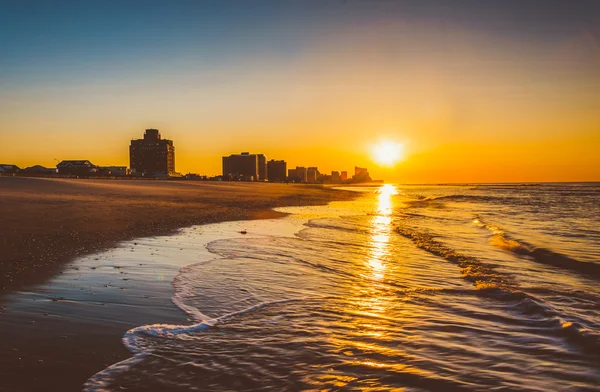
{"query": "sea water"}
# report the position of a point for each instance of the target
(417, 288)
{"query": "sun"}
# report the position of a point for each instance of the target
(387, 153)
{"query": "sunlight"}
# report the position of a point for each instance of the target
(387, 153)
(384, 201)
(380, 231)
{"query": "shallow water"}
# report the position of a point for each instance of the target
(408, 288)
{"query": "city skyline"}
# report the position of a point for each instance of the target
(153, 156)
(331, 168)
(475, 92)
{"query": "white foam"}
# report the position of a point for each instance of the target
(100, 381)
(134, 339)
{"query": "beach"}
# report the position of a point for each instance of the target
(72, 281)
(46, 222)
(427, 288)
(57, 334)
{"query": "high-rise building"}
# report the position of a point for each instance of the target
(361, 174)
(152, 155)
(359, 171)
(276, 171)
(291, 177)
(262, 167)
(344, 176)
(312, 174)
(335, 177)
(245, 166)
(297, 175)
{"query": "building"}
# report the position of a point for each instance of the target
(297, 175)
(9, 169)
(195, 177)
(276, 171)
(301, 173)
(79, 167)
(325, 179)
(361, 174)
(152, 155)
(242, 166)
(39, 170)
(312, 174)
(358, 171)
(335, 177)
(245, 167)
(344, 176)
(262, 167)
(291, 177)
(113, 171)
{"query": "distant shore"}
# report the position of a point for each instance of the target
(47, 222)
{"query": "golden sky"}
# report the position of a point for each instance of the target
(469, 103)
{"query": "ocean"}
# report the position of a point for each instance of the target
(408, 288)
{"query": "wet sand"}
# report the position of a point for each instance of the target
(47, 222)
(56, 333)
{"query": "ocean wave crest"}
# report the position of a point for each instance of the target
(483, 275)
(541, 255)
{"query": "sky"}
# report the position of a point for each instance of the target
(476, 91)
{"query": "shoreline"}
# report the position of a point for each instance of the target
(73, 324)
(61, 332)
(48, 222)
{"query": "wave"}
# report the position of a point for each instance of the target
(421, 200)
(336, 224)
(134, 340)
(525, 308)
(483, 275)
(540, 255)
(492, 284)
(578, 334)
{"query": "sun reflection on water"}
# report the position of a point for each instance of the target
(373, 299)
(384, 200)
(374, 305)
(380, 232)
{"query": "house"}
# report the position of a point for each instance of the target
(39, 170)
(8, 169)
(82, 168)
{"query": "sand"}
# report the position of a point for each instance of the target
(57, 334)
(47, 222)
(72, 282)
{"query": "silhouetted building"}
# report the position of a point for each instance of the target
(39, 170)
(152, 155)
(245, 166)
(6, 168)
(335, 177)
(297, 175)
(325, 179)
(77, 167)
(276, 170)
(312, 174)
(113, 171)
(359, 170)
(361, 175)
(291, 177)
(195, 177)
(344, 176)
(262, 167)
